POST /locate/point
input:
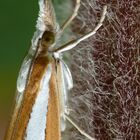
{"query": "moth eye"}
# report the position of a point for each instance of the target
(48, 37)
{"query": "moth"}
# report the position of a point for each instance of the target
(40, 109)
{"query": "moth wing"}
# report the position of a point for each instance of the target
(67, 84)
(21, 82)
(22, 78)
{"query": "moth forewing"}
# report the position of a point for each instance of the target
(65, 85)
(37, 123)
(29, 98)
(21, 83)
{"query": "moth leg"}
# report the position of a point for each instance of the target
(74, 43)
(79, 129)
(70, 19)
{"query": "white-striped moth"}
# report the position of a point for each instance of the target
(44, 80)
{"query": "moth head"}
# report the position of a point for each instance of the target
(48, 38)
